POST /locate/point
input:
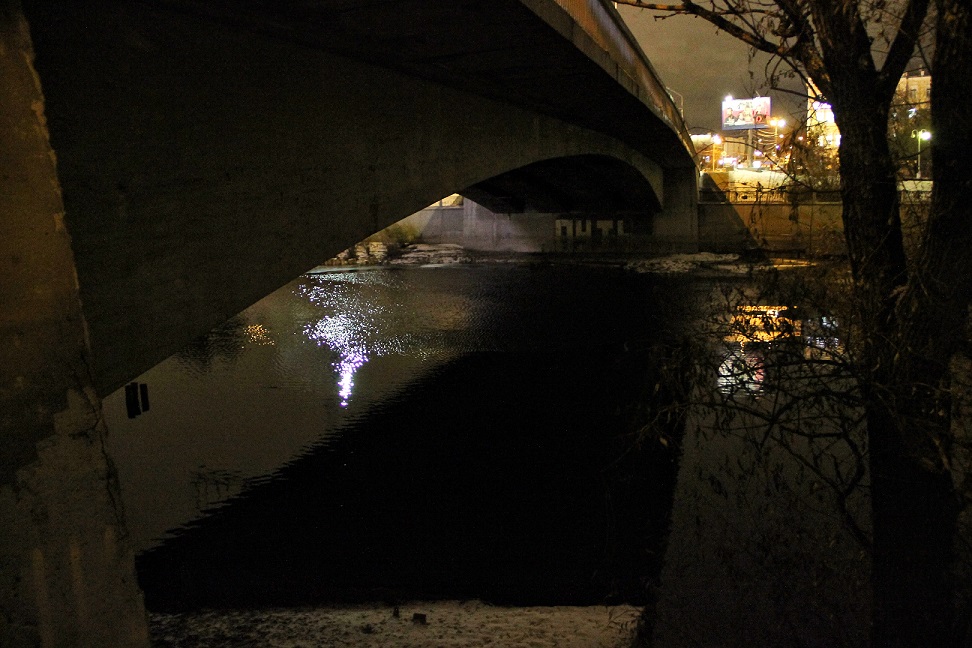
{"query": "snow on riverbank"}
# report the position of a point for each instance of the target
(684, 263)
(701, 263)
(443, 624)
(427, 254)
(707, 263)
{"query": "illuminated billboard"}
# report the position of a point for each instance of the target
(742, 114)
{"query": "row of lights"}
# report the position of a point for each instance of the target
(921, 135)
(777, 124)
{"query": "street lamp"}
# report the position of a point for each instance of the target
(920, 135)
(716, 140)
(777, 124)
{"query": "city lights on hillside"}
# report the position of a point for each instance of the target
(763, 147)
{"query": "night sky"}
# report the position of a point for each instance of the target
(703, 65)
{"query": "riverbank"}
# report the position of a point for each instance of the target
(699, 263)
(441, 624)
(445, 623)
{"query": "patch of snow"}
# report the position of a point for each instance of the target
(684, 263)
(431, 255)
(442, 624)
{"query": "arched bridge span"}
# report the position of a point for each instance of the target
(211, 151)
(166, 163)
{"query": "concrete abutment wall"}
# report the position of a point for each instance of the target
(67, 573)
(677, 226)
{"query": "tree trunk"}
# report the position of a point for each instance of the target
(913, 499)
(917, 504)
(872, 222)
(914, 515)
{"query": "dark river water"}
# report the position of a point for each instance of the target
(397, 433)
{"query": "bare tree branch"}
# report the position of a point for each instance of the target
(716, 18)
(903, 46)
(785, 18)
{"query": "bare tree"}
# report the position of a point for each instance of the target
(911, 311)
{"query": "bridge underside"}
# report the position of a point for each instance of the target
(166, 164)
(585, 183)
(528, 52)
(207, 158)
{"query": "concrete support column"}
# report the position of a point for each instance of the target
(67, 573)
(676, 227)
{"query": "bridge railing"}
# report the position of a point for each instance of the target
(602, 22)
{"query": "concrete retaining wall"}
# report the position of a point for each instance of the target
(67, 575)
(777, 228)
(477, 228)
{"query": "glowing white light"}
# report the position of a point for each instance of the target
(348, 332)
(356, 327)
(346, 368)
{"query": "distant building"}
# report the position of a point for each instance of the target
(820, 121)
(915, 88)
(910, 124)
(715, 152)
(914, 91)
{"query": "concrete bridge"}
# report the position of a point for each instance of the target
(166, 164)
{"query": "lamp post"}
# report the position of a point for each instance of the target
(777, 124)
(920, 135)
(716, 140)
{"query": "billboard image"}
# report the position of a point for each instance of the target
(741, 114)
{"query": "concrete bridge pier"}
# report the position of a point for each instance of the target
(676, 227)
(67, 574)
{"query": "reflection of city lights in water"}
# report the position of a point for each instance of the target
(741, 371)
(350, 330)
(762, 324)
(755, 330)
(339, 332)
(362, 316)
(258, 334)
(346, 368)
(821, 334)
(346, 336)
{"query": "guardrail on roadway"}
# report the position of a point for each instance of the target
(602, 22)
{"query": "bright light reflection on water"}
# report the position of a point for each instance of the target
(741, 372)
(346, 368)
(753, 331)
(355, 329)
(346, 334)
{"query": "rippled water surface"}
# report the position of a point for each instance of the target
(441, 432)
